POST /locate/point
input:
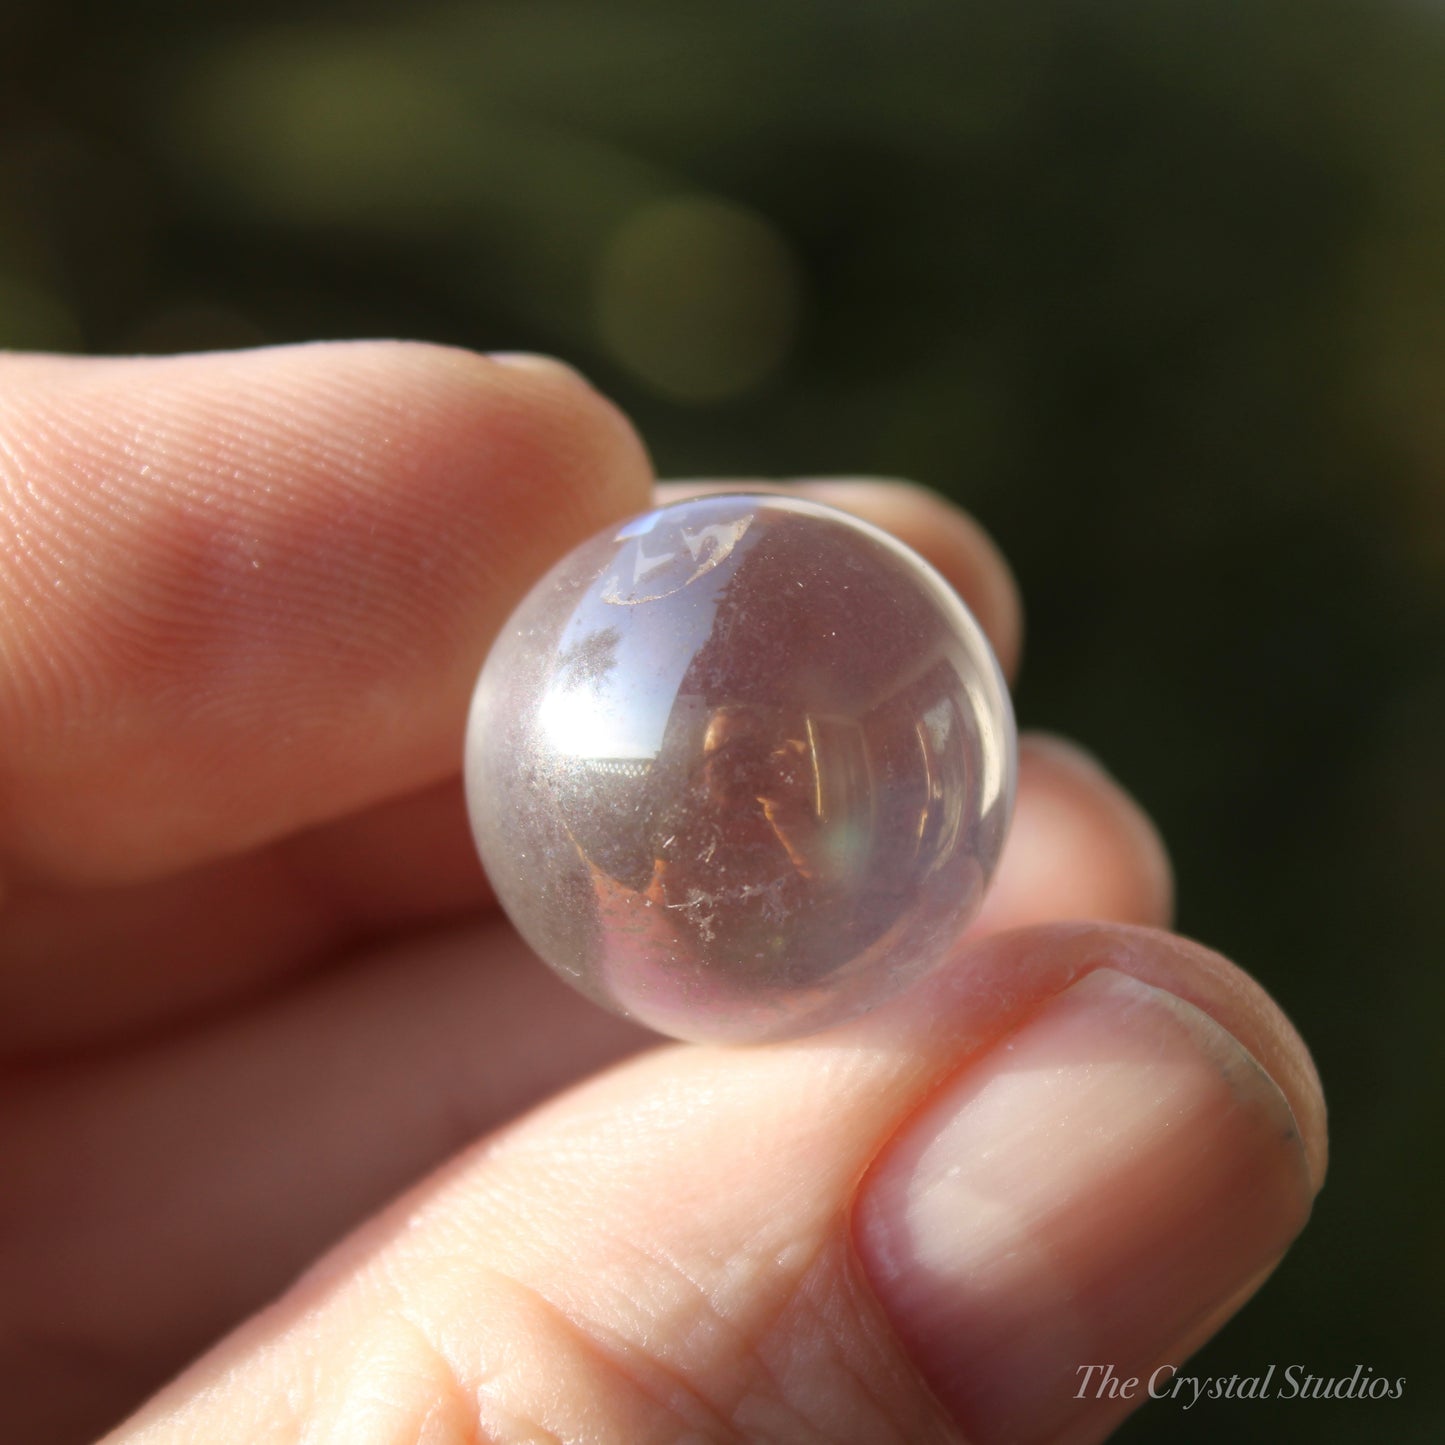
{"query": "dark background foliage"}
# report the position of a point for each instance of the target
(1157, 290)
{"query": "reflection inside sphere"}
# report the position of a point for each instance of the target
(740, 767)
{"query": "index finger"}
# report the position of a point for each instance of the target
(245, 593)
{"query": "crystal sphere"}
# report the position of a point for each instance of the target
(741, 767)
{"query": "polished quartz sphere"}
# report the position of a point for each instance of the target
(741, 767)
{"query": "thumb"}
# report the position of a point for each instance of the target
(1082, 1145)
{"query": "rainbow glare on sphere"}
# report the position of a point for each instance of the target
(741, 767)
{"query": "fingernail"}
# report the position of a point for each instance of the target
(532, 361)
(1089, 1193)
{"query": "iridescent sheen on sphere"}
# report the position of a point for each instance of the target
(741, 767)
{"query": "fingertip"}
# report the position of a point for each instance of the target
(1118, 1167)
(997, 979)
(1080, 846)
(296, 555)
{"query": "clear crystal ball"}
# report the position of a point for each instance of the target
(741, 767)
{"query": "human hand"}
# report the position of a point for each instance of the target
(252, 987)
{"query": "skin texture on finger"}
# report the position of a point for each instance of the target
(671, 1247)
(1114, 1176)
(244, 593)
(229, 1157)
(77, 967)
(216, 931)
(286, 1124)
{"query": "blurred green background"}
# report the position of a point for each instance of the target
(1156, 289)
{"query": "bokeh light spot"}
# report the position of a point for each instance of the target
(698, 298)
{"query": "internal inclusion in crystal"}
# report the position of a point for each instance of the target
(741, 767)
